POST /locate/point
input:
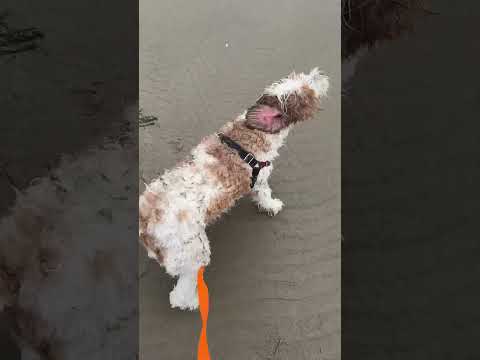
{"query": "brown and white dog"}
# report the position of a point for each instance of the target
(176, 208)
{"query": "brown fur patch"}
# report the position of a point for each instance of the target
(183, 215)
(230, 170)
(157, 215)
(149, 244)
(301, 108)
(150, 211)
(252, 140)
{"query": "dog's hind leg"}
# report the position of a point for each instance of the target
(196, 254)
(184, 294)
(262, 193)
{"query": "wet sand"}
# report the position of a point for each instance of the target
(274, 282)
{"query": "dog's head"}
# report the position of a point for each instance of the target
(288, 101)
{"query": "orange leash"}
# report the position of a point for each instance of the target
(203, 353)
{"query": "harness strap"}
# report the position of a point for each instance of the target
(246, 156)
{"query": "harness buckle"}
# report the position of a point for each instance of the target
(250, 158)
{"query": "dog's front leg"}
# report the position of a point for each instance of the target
(262, 193)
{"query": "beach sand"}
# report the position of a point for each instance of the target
(274, 282)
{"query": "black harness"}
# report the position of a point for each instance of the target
(246, 156)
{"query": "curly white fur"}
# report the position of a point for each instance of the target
(293, 83)
(182, 196)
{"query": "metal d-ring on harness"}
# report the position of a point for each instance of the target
(246, 156)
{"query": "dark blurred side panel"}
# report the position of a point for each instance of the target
(68, 179)
(410, 174)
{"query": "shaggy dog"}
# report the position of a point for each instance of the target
(176, 208)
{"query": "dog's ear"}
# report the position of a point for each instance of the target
(265, 118)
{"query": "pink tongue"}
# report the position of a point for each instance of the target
(266, 115)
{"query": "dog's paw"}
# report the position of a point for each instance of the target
(272, 207)
(183, 301)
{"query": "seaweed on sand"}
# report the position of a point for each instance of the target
(146, 120)
(13, 41)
